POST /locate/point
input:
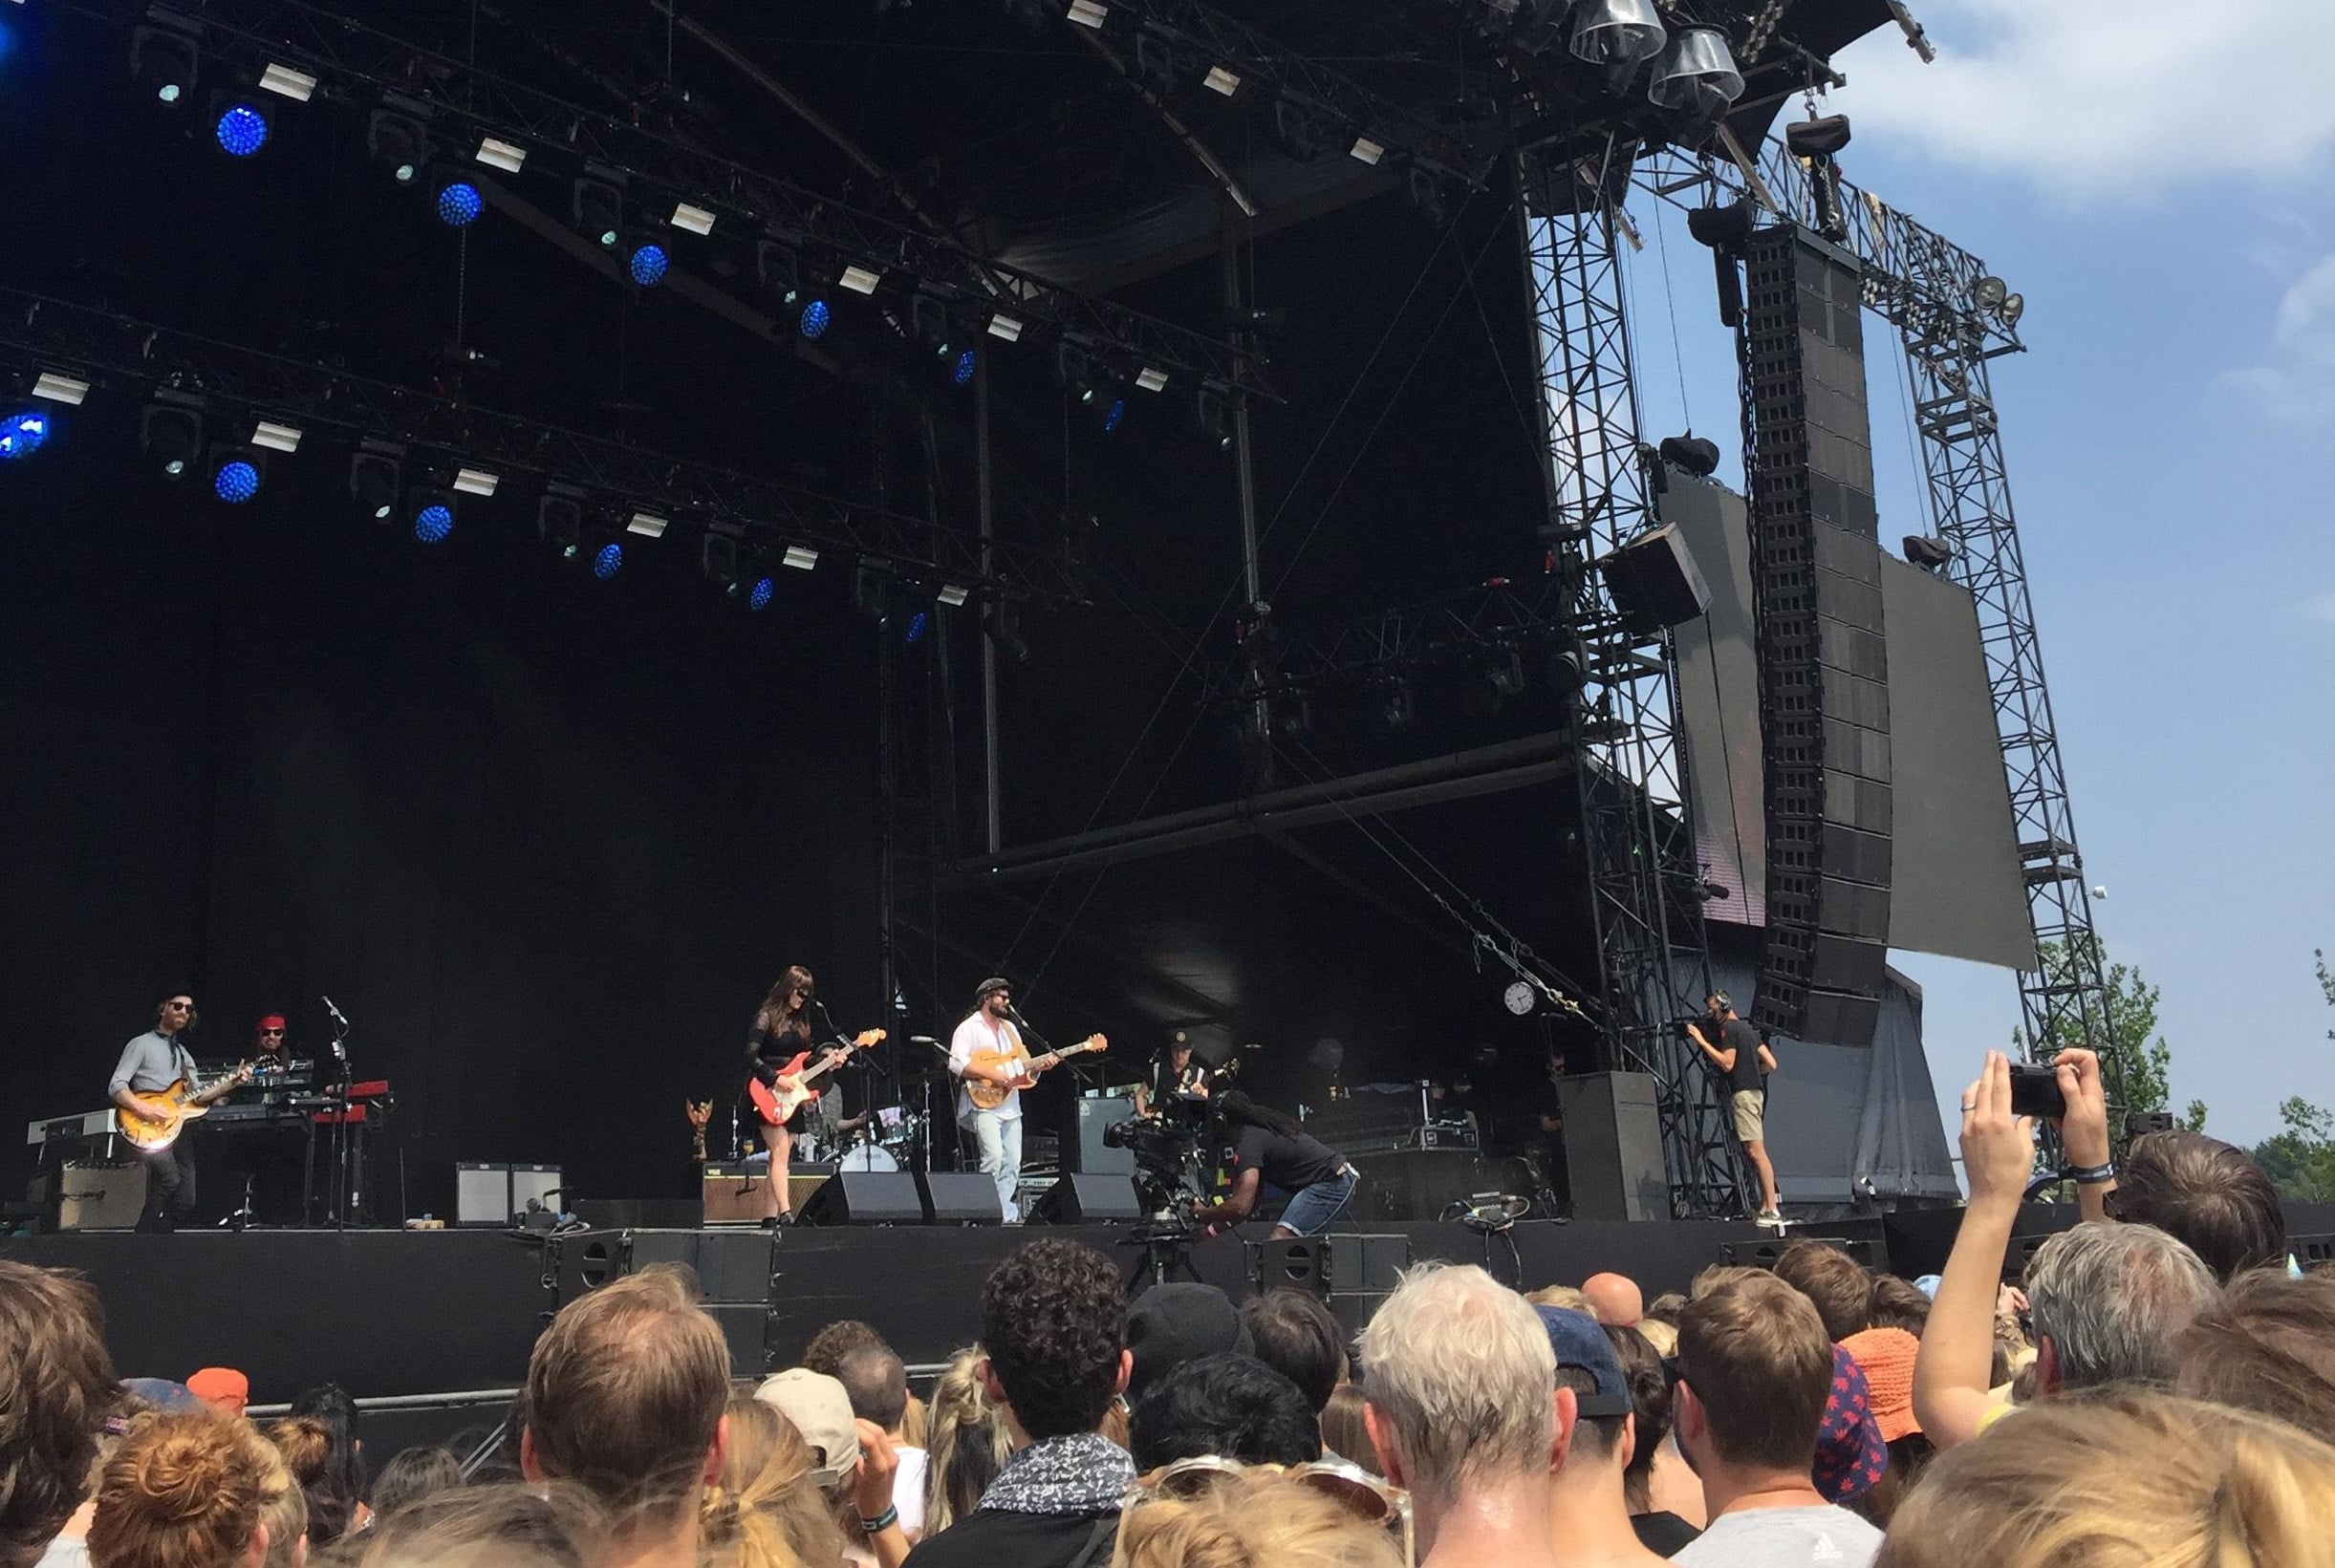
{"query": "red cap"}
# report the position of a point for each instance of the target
(220, 1385)
(274, 1020)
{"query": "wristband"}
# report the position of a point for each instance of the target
(2089, 1175)
(876, 1526)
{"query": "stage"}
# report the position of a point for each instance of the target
(398, 1313)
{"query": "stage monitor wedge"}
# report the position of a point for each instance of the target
(1822, 638)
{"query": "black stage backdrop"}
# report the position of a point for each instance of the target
(544, 839)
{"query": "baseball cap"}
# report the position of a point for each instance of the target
(1580, 1342)
(221, 1387)
(1181, 1321)
(1851, 1453)
(821, 1410)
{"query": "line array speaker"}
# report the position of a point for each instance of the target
(1823, 647)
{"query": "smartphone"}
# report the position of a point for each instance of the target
(2035, 1091)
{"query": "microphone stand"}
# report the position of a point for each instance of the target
(340, 1123)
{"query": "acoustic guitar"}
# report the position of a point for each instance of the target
(775, 1102)
(989, 1096)
(155, 1126)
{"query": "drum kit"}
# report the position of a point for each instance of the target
(892, 1139)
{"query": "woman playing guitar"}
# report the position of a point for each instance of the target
(776, 1052)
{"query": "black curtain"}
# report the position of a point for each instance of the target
(544, 838)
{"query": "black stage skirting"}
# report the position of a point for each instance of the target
(396, 1312)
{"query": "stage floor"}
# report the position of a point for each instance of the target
(399, 1312)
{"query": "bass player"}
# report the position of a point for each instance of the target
(150, 1065)
(776, 1052)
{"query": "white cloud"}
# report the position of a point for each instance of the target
(2105, 99)
(2321, 606)
(2295, 382)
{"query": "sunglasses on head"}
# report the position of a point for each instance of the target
(1364, 1495)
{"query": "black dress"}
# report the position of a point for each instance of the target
(766, 1053)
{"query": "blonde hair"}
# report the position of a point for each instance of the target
(1255, 1520)
(1662, 1336)
(766, 1511)
(1458, 1367)
(912, 1423)
(1567, 1296)
(538, 1525)
(2123, 1479)
(967, 1442)
(184, 1492)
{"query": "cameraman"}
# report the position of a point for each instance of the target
(1269, 1145)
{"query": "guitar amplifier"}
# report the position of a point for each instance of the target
(730, 1194)
(107, 1196)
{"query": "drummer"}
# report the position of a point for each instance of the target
(1172, 1077)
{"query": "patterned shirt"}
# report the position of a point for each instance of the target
(1083, 1473)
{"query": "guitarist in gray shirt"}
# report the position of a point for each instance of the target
(149, 1064)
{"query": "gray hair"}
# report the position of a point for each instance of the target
(1457, 1366)
(2110, 1299)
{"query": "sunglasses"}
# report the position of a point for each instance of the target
(272, 1031)
(1349, 1485)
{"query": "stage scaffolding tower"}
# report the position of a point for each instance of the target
(1930, 290)
(1645, 882)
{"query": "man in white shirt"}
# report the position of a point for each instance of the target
(877, 1384)
(1755, 1370)
(997, 1133)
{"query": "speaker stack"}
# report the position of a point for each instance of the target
(1823, 648)
(737, 1271)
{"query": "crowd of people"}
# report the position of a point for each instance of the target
(2158, 1388)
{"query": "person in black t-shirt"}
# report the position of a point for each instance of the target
(1269, 1145)
(1734, 1047)
(1171, 1075)
(777, 1048)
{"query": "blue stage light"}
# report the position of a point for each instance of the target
(964, 367)
(816, 317)
(759, 597)
(604, 565)
(21, 434)
(236, 482)
(1112, 415)
(242, 131)
(459, 203)
(648, 265)
(433, 521)
(916, 623)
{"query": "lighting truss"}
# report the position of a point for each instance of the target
(1264, 66)
(1455, 632)
(1630, 774)
(1926, 286)
(116, 352)
(562, 137)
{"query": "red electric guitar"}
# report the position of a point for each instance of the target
(793, 1090)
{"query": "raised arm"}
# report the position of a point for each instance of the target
(2083, 1134)
(1958, 1345)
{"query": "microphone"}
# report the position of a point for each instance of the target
(338, 1017)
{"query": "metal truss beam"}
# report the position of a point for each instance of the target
(355, 63)
(1200, 38)
(1631, 773)
(1389, 646)
(1925, 285)
(115, 353)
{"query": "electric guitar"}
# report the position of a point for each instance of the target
(775, 1102)
(155, 1126)
(989, 1096)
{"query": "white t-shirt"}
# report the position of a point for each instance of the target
(1783, 1538)
(980, 1032)
(908, 1487)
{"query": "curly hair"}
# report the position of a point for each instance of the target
(306, 1444)
(59, 1388)
(966, 1441)
(1054, 1317)
(830, 1345)
(184, 1492)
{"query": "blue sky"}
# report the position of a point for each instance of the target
(2158, 179)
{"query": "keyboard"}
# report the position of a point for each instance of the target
(89, 1123)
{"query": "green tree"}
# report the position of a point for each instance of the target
(2143, 1065)
(2302, 1159)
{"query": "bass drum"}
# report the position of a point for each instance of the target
(866, 1157)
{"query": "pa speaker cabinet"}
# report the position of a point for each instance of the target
(867, 1197)
(727, 1265)
(745, 1328)
(961, 1198)
(1292, 1262)
(1613, 1147)
(1763, 1254)
(1655, 581)
(1365, 1265)
(1097, 1157)
(1084, 1198)
(101, 1196)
